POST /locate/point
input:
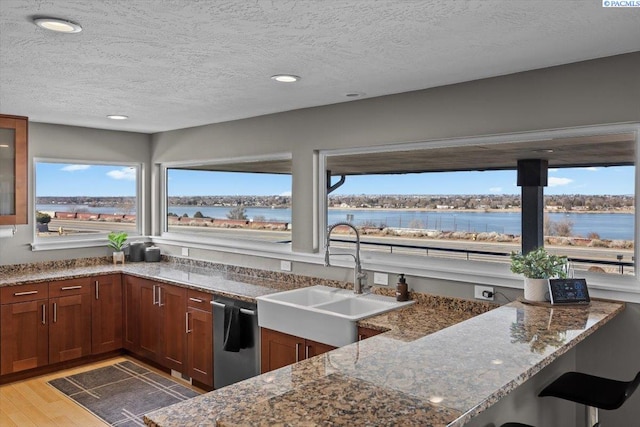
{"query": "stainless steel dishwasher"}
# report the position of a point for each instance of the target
(241, 361)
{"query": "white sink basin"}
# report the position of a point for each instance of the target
(321, 313)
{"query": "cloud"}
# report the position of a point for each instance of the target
(591, 169)
(555, 181)
(285, 194)
(128, 174)
(73, 168)
(495, 190)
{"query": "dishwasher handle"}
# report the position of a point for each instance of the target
(242, 310)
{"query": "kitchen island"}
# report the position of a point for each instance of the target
(444, 378)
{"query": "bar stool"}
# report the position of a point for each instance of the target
(592, 391)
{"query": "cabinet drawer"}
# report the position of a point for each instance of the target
(199, 300)
(22, 293)
(70, 287)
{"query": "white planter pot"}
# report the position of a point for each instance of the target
(536, 289)
(118, 257)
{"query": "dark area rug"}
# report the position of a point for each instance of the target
(121, 394)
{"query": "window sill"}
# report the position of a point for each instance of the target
(61, 244)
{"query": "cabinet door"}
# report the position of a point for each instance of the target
(172, 301)
(279, 349)
(199, 328)
(131, 311)
(106, 314)
(313, 348)
(24, 338)
(364, 333)
(13, 164)
(69, 319)
(149, 320)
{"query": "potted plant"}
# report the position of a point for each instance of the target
(538, 266)
(43, 219)
(117, 242)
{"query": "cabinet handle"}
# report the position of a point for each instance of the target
(186, 320)
(44, 314)
(70, 288)
(154, 295)
(97, 289)
(306, 351)
(297, 352)
(19, 294)
(55, 312)
(160, 304)
(198, 300)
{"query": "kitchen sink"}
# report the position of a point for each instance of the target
(322, 313)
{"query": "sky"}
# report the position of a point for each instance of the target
(57, 179)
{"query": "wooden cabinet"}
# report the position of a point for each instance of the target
(13, 169)
(69, 319)
(155, 321)
(199, 331)
(172, 302)
(24, 327)
(364, 333)
(279, 349)
(106, 313)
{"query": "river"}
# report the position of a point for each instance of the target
(614, 226)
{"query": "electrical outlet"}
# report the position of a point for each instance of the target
(484, 292)
(185, 251)
(381, 279)
(285, 265)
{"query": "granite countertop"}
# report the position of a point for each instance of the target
(438, 362)
(218, 281)
(408, 376)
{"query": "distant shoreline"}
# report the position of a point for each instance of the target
(619, 211)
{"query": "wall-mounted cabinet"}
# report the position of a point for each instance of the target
(13, 170)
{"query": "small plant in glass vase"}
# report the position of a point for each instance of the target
(117, 242)
(538, 266)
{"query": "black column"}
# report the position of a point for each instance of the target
(532, 177)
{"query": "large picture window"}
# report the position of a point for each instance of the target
(463, 202)
(232, 204)
(83, 200)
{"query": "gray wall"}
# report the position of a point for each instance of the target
(70, 143)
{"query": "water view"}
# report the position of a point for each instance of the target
(613, 226)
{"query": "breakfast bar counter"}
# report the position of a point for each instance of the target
(441, 378)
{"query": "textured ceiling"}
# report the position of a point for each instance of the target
(176, 63)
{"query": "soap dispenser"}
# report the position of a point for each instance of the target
(402, 290)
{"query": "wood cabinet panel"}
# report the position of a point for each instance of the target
(364, 333)
(279, 349)
(22, 293)
(24, 336)
(199, 328)
(106, 313)
(149, 320)
(14, 186)
(172, 302)
(131, 308)
(69, 322)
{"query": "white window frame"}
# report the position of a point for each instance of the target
(217, 242)
(71, 242)
(621, 287)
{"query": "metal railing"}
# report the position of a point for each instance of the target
(468, 253)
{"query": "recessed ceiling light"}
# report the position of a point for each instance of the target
(544, 150)
(4, 146)
(354, 94)
(285, 78)
(58, 25)
(117, 117)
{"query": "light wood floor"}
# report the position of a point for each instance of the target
(33, 402)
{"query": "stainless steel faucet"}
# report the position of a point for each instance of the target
(358, 275)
